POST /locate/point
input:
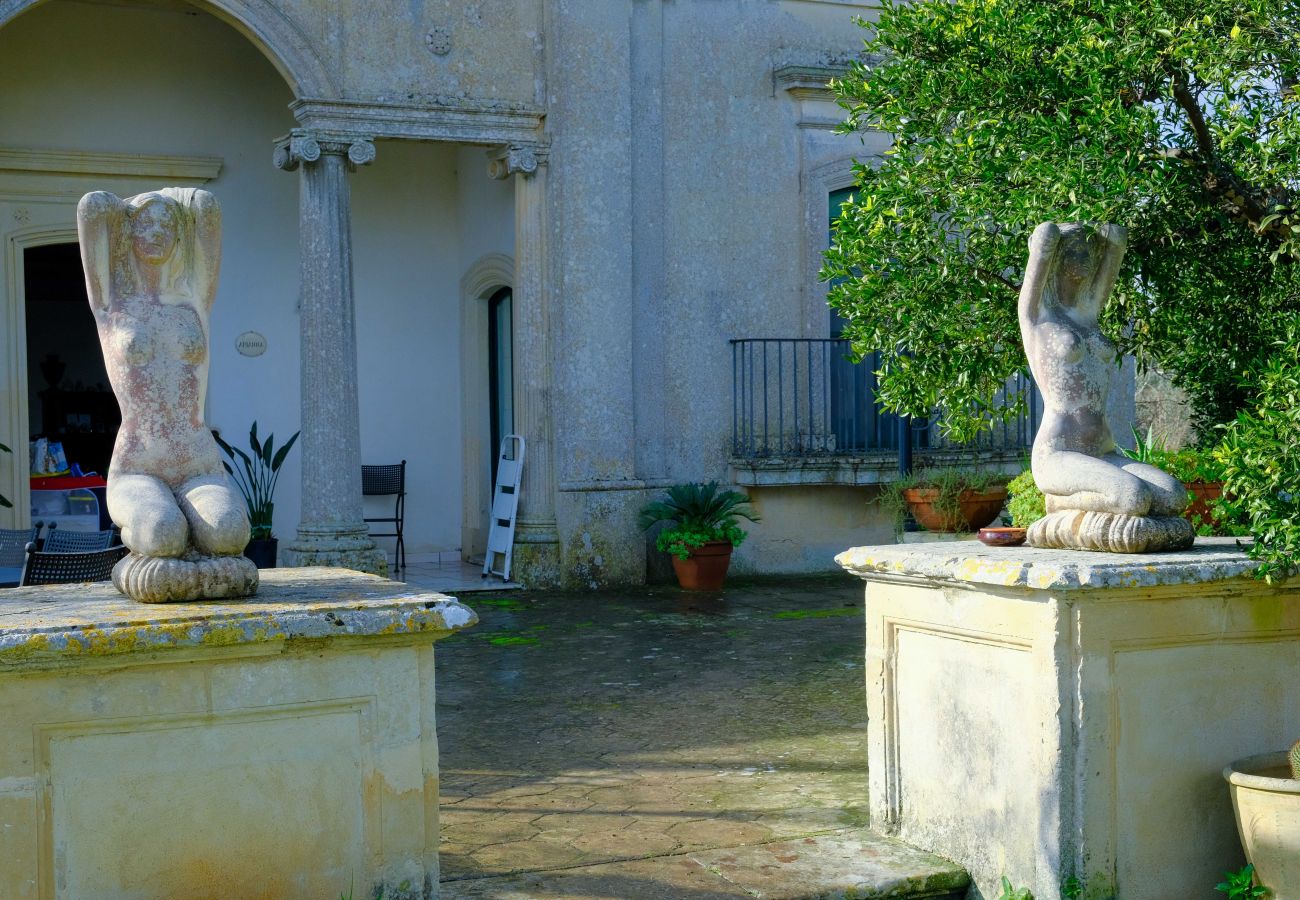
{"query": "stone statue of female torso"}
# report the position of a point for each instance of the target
(1076, 462)
(151, 266)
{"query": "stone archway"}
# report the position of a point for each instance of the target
(269, 29)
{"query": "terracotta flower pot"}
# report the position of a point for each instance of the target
(706, 568)
(1266, 800)
(1203, 494)
(975, 508)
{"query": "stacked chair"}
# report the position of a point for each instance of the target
(63, 557)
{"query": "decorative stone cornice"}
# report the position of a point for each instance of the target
(809, 85)
(515, 159)
(424, 118)
(808, 82)
(78, 162)
(303, 146)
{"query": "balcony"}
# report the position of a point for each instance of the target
(804, 413)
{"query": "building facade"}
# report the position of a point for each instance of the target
(448, 221)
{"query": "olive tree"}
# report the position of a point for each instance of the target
(1177, 119)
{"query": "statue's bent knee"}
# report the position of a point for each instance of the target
(223, 532)
(1128, 495)
(155, 529)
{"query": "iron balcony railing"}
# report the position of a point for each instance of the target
(799, 397)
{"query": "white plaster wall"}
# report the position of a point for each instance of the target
(421, 214)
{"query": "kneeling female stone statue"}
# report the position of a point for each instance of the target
(151, 266)
(1096, 498)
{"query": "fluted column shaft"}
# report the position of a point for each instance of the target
(536, 537)
(332, 530)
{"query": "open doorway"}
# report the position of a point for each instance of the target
(500, 373)
(69, 400)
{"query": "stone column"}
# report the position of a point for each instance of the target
(331, 532)
(536, 552)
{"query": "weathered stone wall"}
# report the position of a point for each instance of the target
(393, 50)
(1163, 411)
(678, 223)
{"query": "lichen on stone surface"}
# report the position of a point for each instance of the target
(66, 623)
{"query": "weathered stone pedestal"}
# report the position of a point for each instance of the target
(279, 747)
(1046, 714)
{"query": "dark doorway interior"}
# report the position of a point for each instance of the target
(68, 396)
(500, 371)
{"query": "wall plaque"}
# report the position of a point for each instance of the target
(250, 343)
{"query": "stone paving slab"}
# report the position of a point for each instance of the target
(846, 865)
(639, 730)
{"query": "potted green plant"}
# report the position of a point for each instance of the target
(948, 499)
(256, 478)
(703, 529)
(1266, 799)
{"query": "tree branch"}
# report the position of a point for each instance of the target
(1219, 181)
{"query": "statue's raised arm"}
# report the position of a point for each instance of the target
(99, 216)
(207, 246)
(1042, 246)
(1114, 239)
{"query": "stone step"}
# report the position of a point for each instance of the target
(852, 864)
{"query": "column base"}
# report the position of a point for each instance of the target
(341, 549)
(535, 562)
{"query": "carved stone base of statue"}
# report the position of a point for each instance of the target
(1075, 529)
(154, 579)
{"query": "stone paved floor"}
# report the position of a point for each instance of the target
(583, 729)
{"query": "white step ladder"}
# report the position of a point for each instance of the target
(505, 505)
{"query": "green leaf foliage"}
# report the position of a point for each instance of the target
(1176, 119)
(1025, 503)
(1241, 885)
(256, 477)
(1010, 892)
(697, 514)
(1261, 463)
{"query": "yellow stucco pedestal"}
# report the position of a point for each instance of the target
(1052, 714)
(277, 747)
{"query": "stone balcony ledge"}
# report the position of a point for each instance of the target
(970, 562)
(63, 624)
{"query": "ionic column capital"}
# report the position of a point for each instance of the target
(302, 146)
(515, 159)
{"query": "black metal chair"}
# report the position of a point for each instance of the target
(379, 481)
(12, 543)
(61, 540)
(69, 568)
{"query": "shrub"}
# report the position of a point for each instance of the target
(1026, 504)
(1261, 463)
(1177, 120)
